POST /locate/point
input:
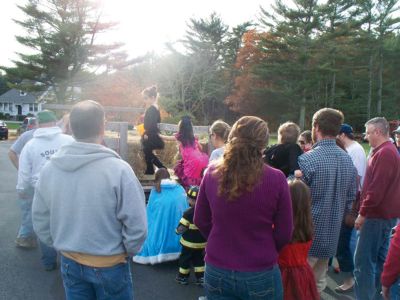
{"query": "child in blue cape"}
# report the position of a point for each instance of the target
(167, 203)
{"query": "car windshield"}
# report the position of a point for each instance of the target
(2, 123)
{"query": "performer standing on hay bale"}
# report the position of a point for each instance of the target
(151, 139)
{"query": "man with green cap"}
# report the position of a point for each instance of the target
(47, 139)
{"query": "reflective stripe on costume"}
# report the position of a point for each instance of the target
(193, 227)
(184, 222)
(184, 271)
(193, 245)
(199, 269)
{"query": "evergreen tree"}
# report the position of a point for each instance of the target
(386, 23)
(289, 54)
(62, 35)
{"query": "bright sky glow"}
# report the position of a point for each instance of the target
(145, 25)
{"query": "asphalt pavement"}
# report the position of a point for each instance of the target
(22, 276)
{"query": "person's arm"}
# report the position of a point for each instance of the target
(13, 157)
(283, 221)
(41, 216)
(131, 211)
(170, 138)
(306, 170)
(183, 225)
(391, 268)
(352, 190)
(16, 148)
(294, 153)
(381, 177)
(24, 185)
(202, 212)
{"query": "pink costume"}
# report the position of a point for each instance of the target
(194, 161)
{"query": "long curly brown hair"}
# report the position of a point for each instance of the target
(242, 165)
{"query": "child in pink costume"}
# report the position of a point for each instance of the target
(189, 169)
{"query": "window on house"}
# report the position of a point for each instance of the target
(22, 93)
(5, 106)
(30, 107)
(35, 107)
(1, 106)
(10, 106)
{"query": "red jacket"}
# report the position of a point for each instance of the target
(391, 268)
(381, 190)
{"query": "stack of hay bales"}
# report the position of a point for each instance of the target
(168, 156)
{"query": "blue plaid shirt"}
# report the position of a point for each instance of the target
(331, 176)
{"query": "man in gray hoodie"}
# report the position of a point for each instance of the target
(90, 206)
(47, 139)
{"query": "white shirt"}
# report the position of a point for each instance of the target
(357, 154)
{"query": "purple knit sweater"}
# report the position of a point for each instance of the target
(246, 234)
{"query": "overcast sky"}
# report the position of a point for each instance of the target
(145, 25)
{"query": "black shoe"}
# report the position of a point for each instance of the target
(182, 280)
(200, 281)
(50, 267)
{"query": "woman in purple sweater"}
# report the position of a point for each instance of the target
(244, 210)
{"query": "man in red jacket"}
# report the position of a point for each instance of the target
(380, 206)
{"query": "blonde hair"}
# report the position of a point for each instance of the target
(243, 164)
(150, 92)
(288, 132)
(220, 129)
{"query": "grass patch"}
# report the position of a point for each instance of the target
(13, 125)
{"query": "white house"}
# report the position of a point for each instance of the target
(16, 102)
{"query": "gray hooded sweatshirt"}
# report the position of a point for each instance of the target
(89, 200)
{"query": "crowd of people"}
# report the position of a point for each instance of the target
(254, 222)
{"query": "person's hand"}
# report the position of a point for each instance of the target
(359, 222)
(298, 174)
(386, 292)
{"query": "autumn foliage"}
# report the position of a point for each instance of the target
(243, 98)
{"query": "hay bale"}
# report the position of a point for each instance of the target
(168, 156)
(136, 157)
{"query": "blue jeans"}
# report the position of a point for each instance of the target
(49, 254)
(221, 284)
(371, 250)
(395, 291)
(85, 283)
(26, 228)
(344, 254)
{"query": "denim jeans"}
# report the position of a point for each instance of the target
(344, 254)
(395, 290)
(49, 254)
(86, 283)
(26, 228)
(221, 284)
(371, 250)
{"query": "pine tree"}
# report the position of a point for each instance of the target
(61, 35)
(289, 54)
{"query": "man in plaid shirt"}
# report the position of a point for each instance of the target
(331, 175)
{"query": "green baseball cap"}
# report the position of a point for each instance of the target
(46, 116)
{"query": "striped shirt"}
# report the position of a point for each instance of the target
(331, 176)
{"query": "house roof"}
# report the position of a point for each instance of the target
(14, 96)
